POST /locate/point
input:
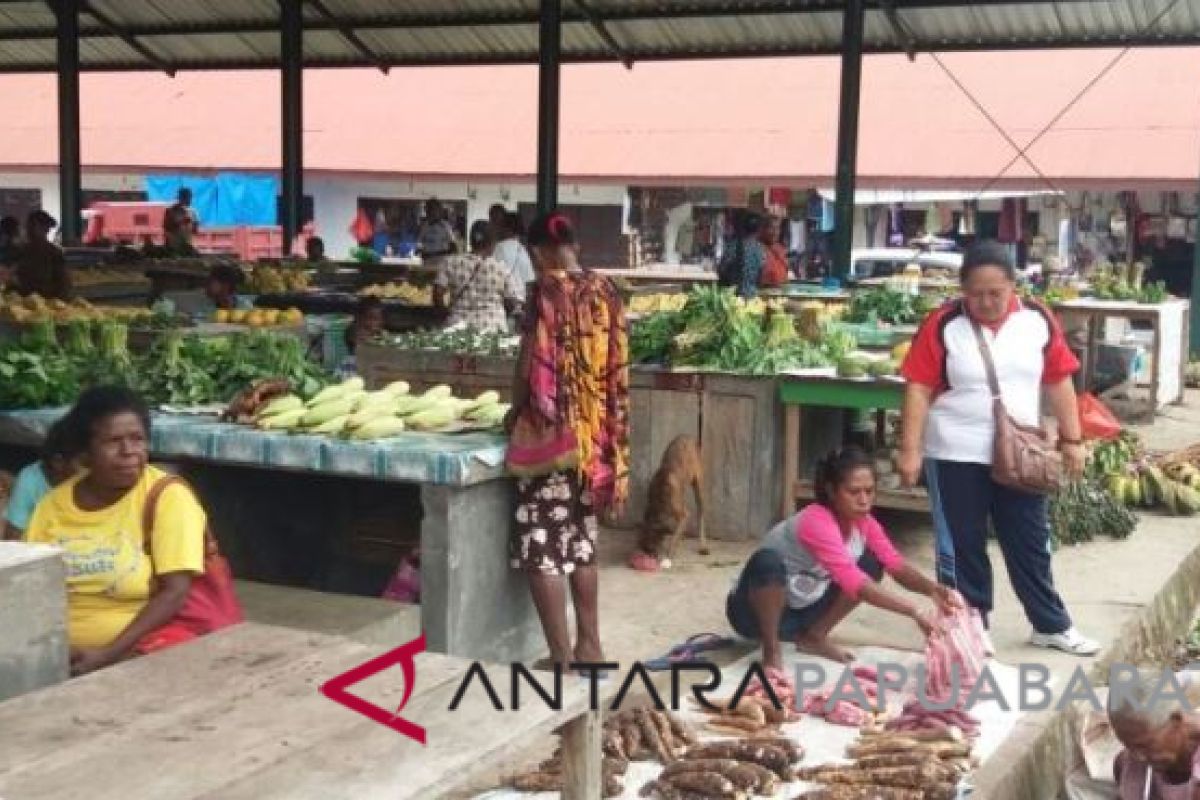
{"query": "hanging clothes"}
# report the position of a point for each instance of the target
(932, 219)
(871, 217)
(797, 236)
(1008, 221)
(945, 218)
(895, 225)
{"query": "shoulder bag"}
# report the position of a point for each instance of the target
(211, 602)
(1023, 456)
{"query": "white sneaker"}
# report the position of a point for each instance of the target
(989, 649)
(1069, 641)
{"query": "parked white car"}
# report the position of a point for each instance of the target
(883, 262)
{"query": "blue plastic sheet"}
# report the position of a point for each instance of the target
(230, 198)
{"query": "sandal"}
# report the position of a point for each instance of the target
(689, 650)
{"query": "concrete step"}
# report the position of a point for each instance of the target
(1035, 759)
(369, 620)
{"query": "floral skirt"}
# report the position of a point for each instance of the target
(556, 525)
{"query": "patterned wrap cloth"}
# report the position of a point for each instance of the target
(578, 374)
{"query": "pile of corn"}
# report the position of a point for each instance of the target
(349, 411)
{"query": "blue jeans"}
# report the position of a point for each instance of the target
(965, 499)
(766, 568)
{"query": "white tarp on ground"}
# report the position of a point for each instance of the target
(822, 742)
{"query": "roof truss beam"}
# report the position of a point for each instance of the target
(348, 33)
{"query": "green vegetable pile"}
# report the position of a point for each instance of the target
(466, 341)
(716, 331)
(887, 305)
(1084, 510)
(1127, 284)
(35, 371)
(38, 370)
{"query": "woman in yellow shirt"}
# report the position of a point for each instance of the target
(116, 591)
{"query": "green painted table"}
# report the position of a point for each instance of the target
(868, 394)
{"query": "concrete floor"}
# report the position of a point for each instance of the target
(1105, 583)
(1111, 588)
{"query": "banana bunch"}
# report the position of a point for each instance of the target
(1173, 487)
(405, 292)
(349, 411)
(654, 303)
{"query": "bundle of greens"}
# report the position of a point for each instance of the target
(887, 305)
(650, 337)
(464, 341)
(1083, 510)
(176, 371)
(715, 330)
(35, 371)
(245, 358)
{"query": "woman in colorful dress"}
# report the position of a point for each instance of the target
(568, 434)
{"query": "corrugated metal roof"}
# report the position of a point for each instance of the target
(226, 34)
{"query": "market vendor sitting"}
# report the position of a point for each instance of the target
(224, 280)
(314, 250)
(123, 582)
(59, 461)
(816, 566)
(1161, 759)
(41, 268)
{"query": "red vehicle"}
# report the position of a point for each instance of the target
(136, 223)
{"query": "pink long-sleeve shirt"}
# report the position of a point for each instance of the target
(815, 553)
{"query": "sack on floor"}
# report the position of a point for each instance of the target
(1095, 420)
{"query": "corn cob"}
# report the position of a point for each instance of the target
(380, 428)
(430, 419)
(279, 405)
(337, 391)
(333, 426)
(369, 414)
(488, 398)
(282, 420)
(324, 412)
(439, 392)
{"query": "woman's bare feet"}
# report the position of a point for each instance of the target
(589, 652)
(823, 648)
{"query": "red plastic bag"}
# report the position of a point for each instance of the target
(1095, 420)
(361, 229)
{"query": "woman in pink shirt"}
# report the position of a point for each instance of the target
(816, 566)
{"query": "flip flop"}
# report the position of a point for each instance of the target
(689, 651)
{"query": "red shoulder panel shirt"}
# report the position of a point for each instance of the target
(1029, 351)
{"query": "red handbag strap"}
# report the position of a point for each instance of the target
(151, 507)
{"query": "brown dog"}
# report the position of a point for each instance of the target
(666, 503)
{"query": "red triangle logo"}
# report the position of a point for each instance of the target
(403, 656)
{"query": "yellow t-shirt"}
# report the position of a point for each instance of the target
(108, 570)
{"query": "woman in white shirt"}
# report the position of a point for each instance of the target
(511, 252)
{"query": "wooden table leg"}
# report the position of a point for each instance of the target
(791, 459)
(581, 758)
(1093, 332)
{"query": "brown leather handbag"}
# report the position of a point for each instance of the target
(1023, 457)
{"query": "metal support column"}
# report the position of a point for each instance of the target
(550, 42)
(847, 145)
(70, 170)
(1194, 322)
(291, 52)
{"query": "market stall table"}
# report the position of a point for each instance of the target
(1169, 323)
(238, 714)
(472, 603)
(660, 275)
(868, 394)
